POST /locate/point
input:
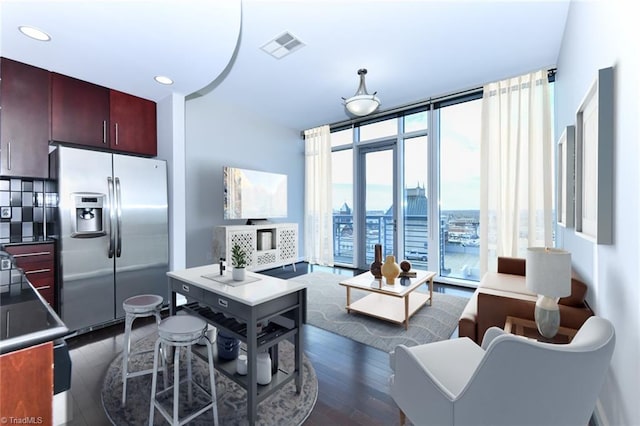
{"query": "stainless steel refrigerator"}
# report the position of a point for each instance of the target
(112, 233)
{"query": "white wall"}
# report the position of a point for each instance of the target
(601, 34)
(171, 142)
(220, 135)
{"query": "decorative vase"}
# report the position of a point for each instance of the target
(377, 262)
(390, 269)
(238, 274)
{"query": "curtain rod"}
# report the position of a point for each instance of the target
(551, 73)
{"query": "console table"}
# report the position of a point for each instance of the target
(237, 310)
(267, 245)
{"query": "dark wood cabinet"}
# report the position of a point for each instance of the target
(24, 120)
(83, 113)
(26, 385)
(133, 124)
(38, 263)
(79, 112)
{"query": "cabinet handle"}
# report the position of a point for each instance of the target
(37, 271)
(44, 287)
(38, 253)
(116, 133)
(9, 156)
(104, 131)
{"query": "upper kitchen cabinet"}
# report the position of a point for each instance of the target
(133, 124)
(86, 114)
(24, 120)
(79, 112)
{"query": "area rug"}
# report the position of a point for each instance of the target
(326, 301)
(284, 407)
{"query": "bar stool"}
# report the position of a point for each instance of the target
(182, 331)
(144, 305)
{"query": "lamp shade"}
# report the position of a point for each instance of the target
(548, 271)
(362, 103)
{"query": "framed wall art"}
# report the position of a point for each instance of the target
(594, 161)
(566, 177)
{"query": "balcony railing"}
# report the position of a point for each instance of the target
(459, 251)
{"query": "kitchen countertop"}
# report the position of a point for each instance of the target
(257, 289)
(25, 318)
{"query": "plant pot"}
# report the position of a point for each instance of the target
(238, 274)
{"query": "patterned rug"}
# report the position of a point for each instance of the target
(284, 407)
(326, 301)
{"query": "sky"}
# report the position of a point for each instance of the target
(459, 172)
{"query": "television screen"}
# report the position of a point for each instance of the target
(252, 194)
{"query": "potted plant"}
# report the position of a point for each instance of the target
(239, 262)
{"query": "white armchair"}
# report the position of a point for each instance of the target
(510, 380)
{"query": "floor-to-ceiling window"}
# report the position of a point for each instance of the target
(459, 179)
(342, 194)
(385, 172)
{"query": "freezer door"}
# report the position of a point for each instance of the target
(142, 243)
(87, 286)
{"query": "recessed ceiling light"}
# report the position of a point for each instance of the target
(34, 33)
(163, 79)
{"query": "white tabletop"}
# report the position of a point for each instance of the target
(266, 288)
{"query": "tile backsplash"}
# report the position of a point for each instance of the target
(27, 209)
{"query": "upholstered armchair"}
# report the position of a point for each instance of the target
(510, 380)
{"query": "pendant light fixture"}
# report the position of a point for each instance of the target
(362, 103)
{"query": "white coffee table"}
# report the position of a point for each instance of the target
(395, 303)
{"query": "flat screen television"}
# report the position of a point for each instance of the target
(252, 194)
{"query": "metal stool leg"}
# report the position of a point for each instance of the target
(176, 385)
(125, 357)
(212, 378)
(163, 352)
(189, 376)
(154, 379)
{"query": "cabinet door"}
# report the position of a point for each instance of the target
(24, 120)
(287, 243)
(26, 385)
(79, 112)
(133, 124)
(246, 239)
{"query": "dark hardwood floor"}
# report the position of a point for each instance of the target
(353, 378)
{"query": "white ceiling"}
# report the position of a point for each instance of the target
(412, 49)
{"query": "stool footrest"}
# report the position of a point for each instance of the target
(187, 419)
(142, 372)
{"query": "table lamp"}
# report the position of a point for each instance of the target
(548, 274)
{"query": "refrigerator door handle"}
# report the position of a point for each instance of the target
(110, 201)
(119, 217)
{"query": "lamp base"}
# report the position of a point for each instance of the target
(547, 316)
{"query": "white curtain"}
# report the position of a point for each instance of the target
(318, 223)
(516, 205)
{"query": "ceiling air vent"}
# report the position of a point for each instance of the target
(282, 45)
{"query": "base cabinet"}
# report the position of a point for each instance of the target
(267, 246)
(26, 385)
(38, 263)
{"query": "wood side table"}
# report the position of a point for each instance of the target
(528, 329)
